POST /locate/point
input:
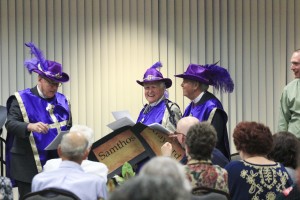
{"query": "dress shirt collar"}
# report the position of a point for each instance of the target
(157, 102)
(149, 106)
(40, 92)
(195, 101)
(70, 164)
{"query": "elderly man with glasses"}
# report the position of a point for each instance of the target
(35, 117)
(183, 126)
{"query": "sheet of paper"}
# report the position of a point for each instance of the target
(159, 127)
(125, 121)
(121, 114)
(54, 144)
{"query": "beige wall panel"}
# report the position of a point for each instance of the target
(175, 46)
(223, 55)
(19, 45)
(253, 61)
(12, 41)
(290, 35)
(276, 61)
(90, 67)
(4, 51)
(66, 51)
(262, 62)
(96, 72)
(75, 93)
(232, 64)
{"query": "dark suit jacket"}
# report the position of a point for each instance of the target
(20, 164)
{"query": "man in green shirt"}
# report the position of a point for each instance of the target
(289, 113)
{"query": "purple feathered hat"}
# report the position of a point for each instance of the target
(152, 74)
(46, 68)
(209, 74)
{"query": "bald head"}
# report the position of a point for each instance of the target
(86, 131)
(185, 123)
(73, 146)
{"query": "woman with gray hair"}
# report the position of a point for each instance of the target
(163, 166)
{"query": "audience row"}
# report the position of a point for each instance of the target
(266, 169)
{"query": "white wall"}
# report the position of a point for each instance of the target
(106, 45)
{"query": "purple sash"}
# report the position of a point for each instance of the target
(37, 111)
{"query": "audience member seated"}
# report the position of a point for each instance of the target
(70, 176)
(5, 188)
(293, 192)
(183, 126)
(87, 165)
(163, 166)
(200, 142)
(285, 150)
(255, 176)
(148, 187)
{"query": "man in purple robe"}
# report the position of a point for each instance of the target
(159, 108)
(204, 105)
(35, 117)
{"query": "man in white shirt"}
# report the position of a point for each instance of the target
(70, 176)
(87, 165)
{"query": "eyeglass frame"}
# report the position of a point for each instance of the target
(174, 134)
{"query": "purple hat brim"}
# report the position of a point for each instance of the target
(167, 81)
(64, 77)
(194, 78)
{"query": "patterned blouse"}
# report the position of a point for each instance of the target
(5, 189)
(204, 174)
(256, 182)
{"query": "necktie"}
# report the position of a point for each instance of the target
(147, 109)
(193, 104)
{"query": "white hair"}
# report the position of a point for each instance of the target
(163, 166)
(73, 145)
(87, 132)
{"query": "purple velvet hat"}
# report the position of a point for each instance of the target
(152, 74)
(209, 74)
(46, 68)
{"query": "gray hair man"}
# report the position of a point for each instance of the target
(87, 165)
(70, 176)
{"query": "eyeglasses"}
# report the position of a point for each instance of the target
(175, 134)
(52, 83)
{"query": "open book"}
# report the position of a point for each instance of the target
(123, 118)
(132, 144)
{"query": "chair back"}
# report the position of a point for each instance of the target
(2, 154)
(204, 193)
(3, 115)
(51, 194)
